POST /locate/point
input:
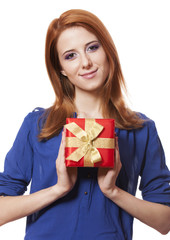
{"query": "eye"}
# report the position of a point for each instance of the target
(70, 56)
(93, 47)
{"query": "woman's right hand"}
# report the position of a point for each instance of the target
(15, 207)
(67, 176)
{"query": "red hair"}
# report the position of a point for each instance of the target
(113, 102)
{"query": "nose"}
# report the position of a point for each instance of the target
(86, 61)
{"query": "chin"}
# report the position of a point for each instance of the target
(93, 90)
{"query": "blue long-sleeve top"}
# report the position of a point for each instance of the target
(84, 213)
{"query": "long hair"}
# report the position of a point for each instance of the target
(113, 105)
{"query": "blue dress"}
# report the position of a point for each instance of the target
(84, 213)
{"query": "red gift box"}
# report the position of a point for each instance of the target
(90, 142)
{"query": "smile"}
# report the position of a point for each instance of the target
(89, 75)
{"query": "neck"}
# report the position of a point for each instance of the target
(88, 105)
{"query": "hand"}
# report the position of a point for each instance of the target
(107, 176)
(67, 176)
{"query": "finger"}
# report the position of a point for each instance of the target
(103, 171)
(116, 148)
(118, 164)
(116, 143)
(64, 137)
(61, 153)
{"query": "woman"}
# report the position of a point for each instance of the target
(84, 203)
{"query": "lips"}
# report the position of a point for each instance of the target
(89, 75)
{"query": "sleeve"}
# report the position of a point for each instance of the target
(18, 163)
(155, 175)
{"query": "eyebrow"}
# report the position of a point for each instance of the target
(72, 50)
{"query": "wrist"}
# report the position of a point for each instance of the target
(113, 194)
(58, 191)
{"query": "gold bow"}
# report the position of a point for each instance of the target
(87, 142)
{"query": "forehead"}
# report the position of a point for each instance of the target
(74, 36)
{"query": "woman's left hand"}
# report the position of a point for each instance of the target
(154, 215)
(107, 176)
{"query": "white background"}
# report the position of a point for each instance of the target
(141, 32)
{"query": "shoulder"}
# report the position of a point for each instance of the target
(32, 121)
(142, 133)
(147, 122)
(148, 131)
(34, 115)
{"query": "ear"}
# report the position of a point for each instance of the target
(63, 73)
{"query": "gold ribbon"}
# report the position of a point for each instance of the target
(87, 142)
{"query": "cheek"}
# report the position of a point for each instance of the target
(106, 62)
(101, 59)
(71, 68)
(104, 65)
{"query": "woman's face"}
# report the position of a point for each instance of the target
(82, 58)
